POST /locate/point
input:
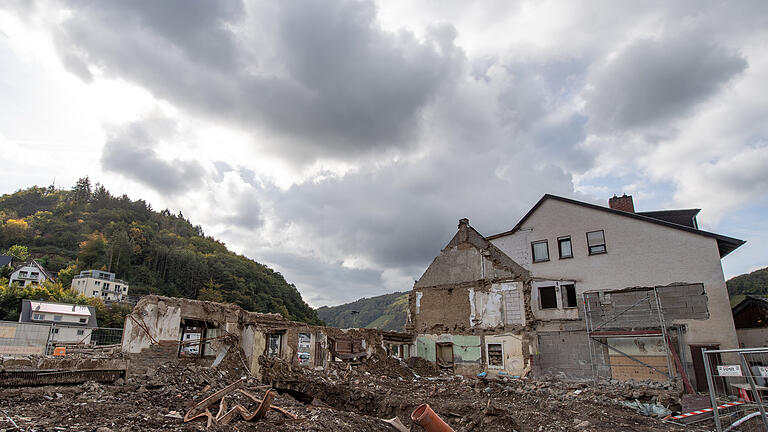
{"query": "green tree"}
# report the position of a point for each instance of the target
(66, 275)
(19, 252)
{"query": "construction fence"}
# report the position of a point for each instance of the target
(32, 338)
(738, 387)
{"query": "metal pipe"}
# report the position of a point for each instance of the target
(711, 385)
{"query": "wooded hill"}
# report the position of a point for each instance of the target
(755, 283)
(155, 252)
(386, 312)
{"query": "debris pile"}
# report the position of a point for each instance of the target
(343, 397)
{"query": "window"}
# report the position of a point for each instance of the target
(55, 331)
(548, 297)
(57, 317)
(22, 274)
(569, 295)
(273, 345)
(38, 317)
(95, 293)
(83, 320)
(106, 285)
(35, 274)
(540, 251)
(596, 242)
(97, 283)
(495, 355)
(125, 289)
(80, 332)
(564, 247)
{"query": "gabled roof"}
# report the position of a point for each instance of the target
(725, 244)
(759, 301)
(36, 264)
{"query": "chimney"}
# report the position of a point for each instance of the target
(463, 224)
(623, 203)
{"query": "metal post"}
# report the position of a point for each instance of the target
(751, 381)
(711, 385)
(663, 331)
(587, 322)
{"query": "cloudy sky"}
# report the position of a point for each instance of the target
(340, 141)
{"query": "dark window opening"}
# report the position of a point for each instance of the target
(540, 251)
(548, 297)
(495, 355)
(564, 247)
(569, 295)
(596, 242)
(444, 355)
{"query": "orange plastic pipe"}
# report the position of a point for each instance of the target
(431, 422)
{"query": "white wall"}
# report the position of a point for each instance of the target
(639, 253)
(88, 287)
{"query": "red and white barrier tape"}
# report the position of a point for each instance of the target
(705, 410)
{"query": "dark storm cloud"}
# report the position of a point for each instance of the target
(130, 153)
(402, 215)
(344, 85)
(659, 80)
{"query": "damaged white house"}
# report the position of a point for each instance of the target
(580, 290)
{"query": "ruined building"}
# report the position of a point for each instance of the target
(578, 290)
(471, 308)
(164, 328)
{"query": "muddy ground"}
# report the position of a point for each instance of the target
(344, 398)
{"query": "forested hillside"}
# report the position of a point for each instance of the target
(386, 312)
(155, 252)
(755, 283)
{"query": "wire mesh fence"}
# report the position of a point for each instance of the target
(29, 338)
(738, 387)
(23, 338)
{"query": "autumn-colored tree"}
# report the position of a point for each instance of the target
(93, 251)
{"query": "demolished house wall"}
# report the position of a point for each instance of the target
(470, 292)
(153, 334)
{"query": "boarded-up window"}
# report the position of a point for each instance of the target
(495, 355)
(348, 345)
(548, 297)
(513, 313)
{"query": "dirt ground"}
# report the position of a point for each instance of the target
(343, 398)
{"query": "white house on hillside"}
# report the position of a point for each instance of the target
(30, 272)
(100, 284)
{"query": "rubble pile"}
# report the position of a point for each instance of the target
(344, 397)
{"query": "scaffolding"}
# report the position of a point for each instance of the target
(629, 313)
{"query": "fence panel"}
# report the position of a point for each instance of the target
(30, 338)
(23, 338)
(738, 386)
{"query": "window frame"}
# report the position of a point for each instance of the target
(589, 248)
(533, 250)
(488, 355)
(564, 295)
(562, 239)
(541, 303)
